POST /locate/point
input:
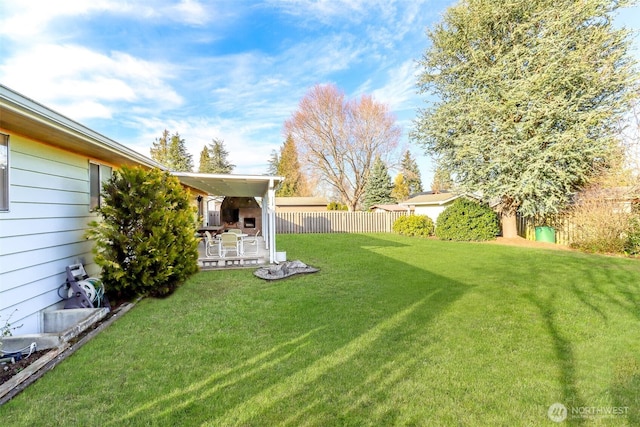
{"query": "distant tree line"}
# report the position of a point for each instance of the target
(171, 151)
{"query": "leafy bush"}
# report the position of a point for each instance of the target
(632, 242)
(7, 328)
(146, 241)
(467, 220)
(414, 225)
(337, 206)
(599, 223)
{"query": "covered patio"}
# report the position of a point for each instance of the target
(211, 261)
(258, 186)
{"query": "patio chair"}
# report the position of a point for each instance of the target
(210, 245)
(229, 242)
(250, 244)
(234, 230)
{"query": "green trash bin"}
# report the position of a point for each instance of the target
(545, 234)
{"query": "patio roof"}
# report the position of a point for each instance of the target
(242, 186)
(230, 185)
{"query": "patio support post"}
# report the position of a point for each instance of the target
(271, 214)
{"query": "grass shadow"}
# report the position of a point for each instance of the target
(390, 331)
(323, 341)
(564, 353)
(625, 389)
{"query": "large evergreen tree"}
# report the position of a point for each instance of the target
(528, 94)
(160, 148)
(274, 160)
(441, 180)
(214, 158)
(205, 160)
(411, 173)
(289, 167)
(171, 151)
(378, 188)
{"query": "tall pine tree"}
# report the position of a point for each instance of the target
(442, 181)
(411, 172)
(205, 161)
(171, 151)
(213, 159)
(289, 167)
(274, 160)
(378, 188)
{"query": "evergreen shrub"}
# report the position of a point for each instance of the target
(467, 220)
(414, 225)
(145, 241)
(337, 206)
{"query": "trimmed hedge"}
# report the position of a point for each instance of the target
(467, 220)
(414, 225)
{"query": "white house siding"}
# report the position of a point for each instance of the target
(43, 231)
(430, 211)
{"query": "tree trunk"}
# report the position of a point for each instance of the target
(509, 224)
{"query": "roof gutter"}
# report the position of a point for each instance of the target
(26, 107)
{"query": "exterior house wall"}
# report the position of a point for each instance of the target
(43, 231)
(301, 204)
(431, 211)
(50, 166)
(302, 208)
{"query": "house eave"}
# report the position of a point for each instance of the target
(24, 116)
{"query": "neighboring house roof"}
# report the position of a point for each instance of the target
(430, 199)
(27, 117)
(301, 201)
(390, 208)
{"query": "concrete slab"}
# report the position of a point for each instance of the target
(60, 326)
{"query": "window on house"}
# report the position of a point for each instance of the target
(4, 172)
(98, 174)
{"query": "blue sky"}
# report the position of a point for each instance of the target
(229, 69)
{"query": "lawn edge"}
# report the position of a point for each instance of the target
(36, 370)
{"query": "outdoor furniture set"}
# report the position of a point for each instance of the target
(232, 245)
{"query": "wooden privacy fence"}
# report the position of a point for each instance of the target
(336, 222)
(563, 225)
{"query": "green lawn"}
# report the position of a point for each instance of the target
(391, 331)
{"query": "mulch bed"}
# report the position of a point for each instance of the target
(9, 370)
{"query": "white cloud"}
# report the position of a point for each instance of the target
(326, 11)
(242, 98)
(30, 18)
(85, 110)
(190, 12)
(67, 76)
(399, 91)
(248, 150)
